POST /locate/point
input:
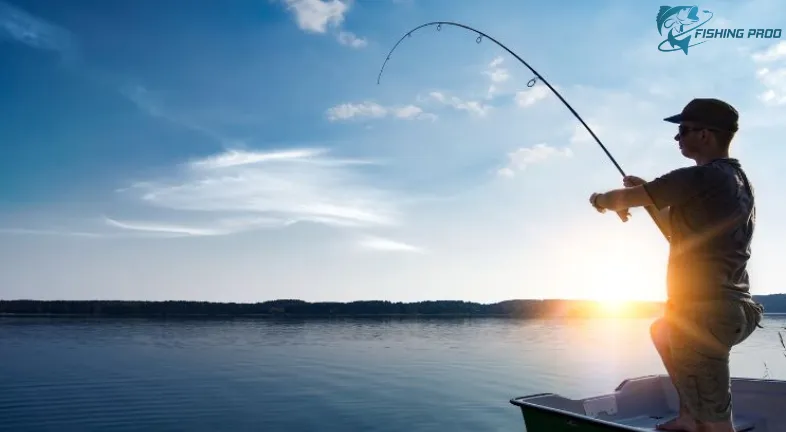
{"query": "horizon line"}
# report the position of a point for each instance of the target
(359, 300)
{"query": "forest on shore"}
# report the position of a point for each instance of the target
(773, 303)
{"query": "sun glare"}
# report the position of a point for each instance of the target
(612, 267)
(614, 306)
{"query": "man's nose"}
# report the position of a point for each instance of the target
(677, 136)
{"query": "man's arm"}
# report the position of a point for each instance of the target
(673, 188)
(636, 196)
(623, 199)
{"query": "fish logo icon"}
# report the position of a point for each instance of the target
(679, 22)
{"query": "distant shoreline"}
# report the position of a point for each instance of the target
(87, 315)
(284, 316)
(774, 304)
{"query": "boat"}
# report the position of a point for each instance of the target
(638, 404)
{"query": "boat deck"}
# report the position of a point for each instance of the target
(648, 422)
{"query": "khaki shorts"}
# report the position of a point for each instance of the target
(700, 339)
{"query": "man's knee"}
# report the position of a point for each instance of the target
(659, 333)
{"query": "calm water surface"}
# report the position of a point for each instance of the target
(69, 374)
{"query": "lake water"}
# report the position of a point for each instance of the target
(70, 374)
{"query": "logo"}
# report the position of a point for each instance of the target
(684, 28)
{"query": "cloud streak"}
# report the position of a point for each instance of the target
(381, 244)
(45, 232)
(373, 110)
(474, 107)
(239, 191)
(35, 32)
(149, 103)
(220, 228)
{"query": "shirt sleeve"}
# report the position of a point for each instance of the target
(680, 185)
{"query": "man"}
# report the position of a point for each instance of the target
(708, 213)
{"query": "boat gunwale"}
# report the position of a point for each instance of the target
(522, 401)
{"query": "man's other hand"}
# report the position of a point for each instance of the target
(633, 181)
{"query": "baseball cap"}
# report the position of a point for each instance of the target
(713, 113)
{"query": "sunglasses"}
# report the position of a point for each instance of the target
(684, 130)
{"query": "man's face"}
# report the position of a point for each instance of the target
(692, 139)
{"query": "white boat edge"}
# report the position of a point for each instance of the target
(637, 404)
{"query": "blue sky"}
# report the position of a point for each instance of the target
(243, 151)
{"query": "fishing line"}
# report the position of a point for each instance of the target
(530, 83)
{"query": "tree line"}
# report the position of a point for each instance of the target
(775, 303)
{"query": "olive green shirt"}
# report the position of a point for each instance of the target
(712, 220)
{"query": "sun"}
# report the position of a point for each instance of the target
(614, 306)
(613, 266)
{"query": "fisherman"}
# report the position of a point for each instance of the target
(708, 214)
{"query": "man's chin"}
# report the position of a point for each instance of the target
(687, 154)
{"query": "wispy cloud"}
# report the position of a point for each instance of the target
(388, 245)
(235, 158)
(772, 77)
(529, 97)
(474, 107)
(368, 109)
(239, 191)
(218, 227)
(48, 232)
(627, 120)
(500, 83)
(36, 32)
(580, 134)
(151, 104)
(317, 16)
(374, 110)
(774, 80)
(771, 54)
(96, 235)
(497, 75)
(351, 39)
(519, 159)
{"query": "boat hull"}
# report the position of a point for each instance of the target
(540, 419)
(638, 404)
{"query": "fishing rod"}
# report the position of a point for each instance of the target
(530, 83)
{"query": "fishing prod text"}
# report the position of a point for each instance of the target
(711, 33)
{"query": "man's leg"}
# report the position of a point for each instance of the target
(701, 343)
(659, 332)
(705, 386)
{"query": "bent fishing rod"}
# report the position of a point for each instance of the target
(530, 83)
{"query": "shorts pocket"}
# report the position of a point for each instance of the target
(727, 323)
